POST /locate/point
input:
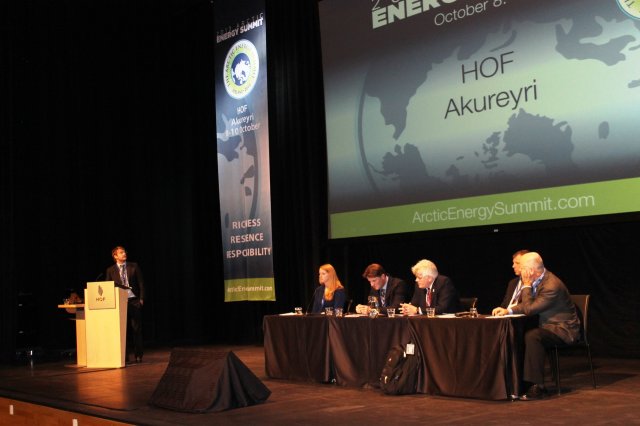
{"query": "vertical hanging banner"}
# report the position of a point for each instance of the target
(242, 129)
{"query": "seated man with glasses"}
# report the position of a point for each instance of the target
(432, 291)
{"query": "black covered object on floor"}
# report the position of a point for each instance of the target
(204, 380)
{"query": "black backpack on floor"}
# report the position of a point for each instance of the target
(400, 372)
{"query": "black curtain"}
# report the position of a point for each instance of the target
(8, 301)
(108, 112)
(114, 131)
(298, 152)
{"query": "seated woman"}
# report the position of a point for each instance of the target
(330, 293)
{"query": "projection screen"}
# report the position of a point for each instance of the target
(447, 114)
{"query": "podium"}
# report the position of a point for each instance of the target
(105, 310)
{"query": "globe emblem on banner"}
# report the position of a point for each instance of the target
(241, 67)
(630, 7)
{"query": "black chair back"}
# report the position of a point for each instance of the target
(581, 301)
(582, 308)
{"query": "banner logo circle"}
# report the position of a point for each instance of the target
(241, 66)
(630, 8)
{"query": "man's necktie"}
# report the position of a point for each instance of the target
(515, 299)
(123, 276)
(382, 295)
(429, 297)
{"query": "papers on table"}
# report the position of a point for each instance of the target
(506, 316)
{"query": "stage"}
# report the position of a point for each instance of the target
(61, 392)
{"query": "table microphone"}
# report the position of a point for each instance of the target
(350, 301)
(309, 304)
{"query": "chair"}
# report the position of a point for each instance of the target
(582, 308)
(466, 303)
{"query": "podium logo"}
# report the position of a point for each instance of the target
(241, 67)
(100, 292)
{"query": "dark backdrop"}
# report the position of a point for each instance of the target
(108, 132)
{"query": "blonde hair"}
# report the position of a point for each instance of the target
(333, 283)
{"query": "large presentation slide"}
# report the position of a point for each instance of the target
(456, 113)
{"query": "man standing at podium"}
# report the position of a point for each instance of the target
(127, 275)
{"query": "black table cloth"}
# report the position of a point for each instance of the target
(297, 348)
(359, 347)
(465, 357)
(469, 357)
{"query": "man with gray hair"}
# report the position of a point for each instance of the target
(545, 295)
(432, 291)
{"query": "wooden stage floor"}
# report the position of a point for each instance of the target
(114, 396)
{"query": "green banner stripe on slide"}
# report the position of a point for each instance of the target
(617, 196)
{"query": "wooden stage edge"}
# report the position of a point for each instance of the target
(18, 413)
(53, 394)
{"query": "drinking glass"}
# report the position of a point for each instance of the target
(328, 311)
(473, 312)
(431, 312)
(391, 312)
(373, 302)
(338, 312)
(298, 310)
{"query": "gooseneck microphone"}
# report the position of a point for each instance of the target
(310, 303)
(350, 301)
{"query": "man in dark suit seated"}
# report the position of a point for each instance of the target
(432, 291)
(514, 288)
(390, 291)
(545, 295)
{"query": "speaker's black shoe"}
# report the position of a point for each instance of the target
(534, 392)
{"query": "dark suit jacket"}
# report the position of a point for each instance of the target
(395, 295)
(134, 276)
(339, 297)
(554, 307)
(445, 297)
(511, 287)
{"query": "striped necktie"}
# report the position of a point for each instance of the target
(123, 276)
